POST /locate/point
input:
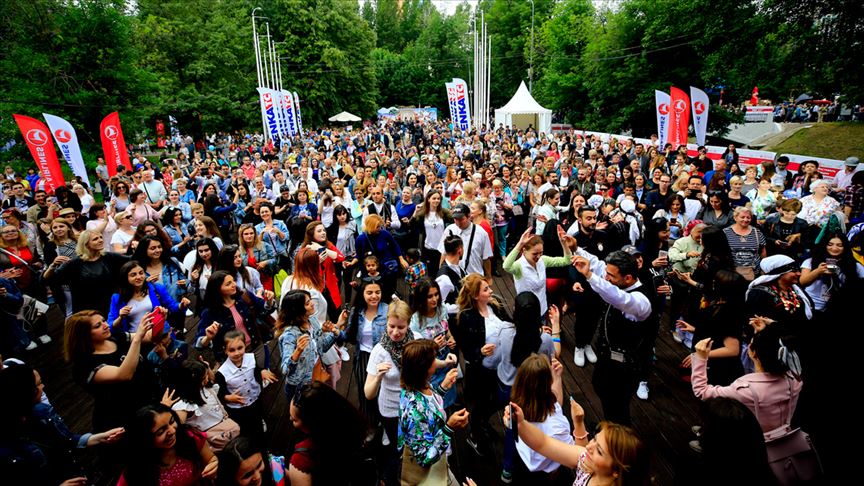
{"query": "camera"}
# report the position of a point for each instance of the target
(831, 265)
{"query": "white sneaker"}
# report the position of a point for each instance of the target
(31, 346)
(677, 336)
(384, 439)
(343, 353)
(642, 392)
(589, 354)
(189, 313)
(264, 425)
(579, 357)
(44, 339)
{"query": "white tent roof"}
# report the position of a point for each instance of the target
(523, 102)
(344, 117)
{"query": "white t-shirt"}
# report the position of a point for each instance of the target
(120, 238)
(365, 337)
(820, 289)
(480, 250)
(140, 308)
(494, 326)
(555, 426)
(434, 226)
(203, 417)
(388, 394)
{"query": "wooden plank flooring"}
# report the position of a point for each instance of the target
(663, 421)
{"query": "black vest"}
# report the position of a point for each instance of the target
(617, 333)
(455, 279)
(385, 210)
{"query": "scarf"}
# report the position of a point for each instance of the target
(395, 348)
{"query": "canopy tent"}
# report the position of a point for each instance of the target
(522, 110)
(344, 117)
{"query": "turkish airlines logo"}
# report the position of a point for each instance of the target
(663, 109)
(699, 107)
(111, 132)
(62, 136)
(37, 137)
(680, 106)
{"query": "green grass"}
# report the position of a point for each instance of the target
(830, 140)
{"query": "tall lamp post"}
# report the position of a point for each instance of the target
(531, 58)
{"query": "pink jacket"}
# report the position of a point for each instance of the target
(778, 395)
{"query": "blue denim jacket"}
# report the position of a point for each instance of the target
(379, 325)
(300, 372)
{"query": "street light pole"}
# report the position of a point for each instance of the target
(531, 58)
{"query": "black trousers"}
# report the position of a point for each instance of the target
(480, 393)
(588, 307)
(432, 258)
(615, 384)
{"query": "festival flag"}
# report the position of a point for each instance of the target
(67, 140)
(290, 113)
(113, 143)
(268, 112)
(463, 112)
(679, 117)
(36, 134)
(451, 101)
(661, 105)
(299, 119)
(700, 113)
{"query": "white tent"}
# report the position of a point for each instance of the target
(344, 117)
(522, 110)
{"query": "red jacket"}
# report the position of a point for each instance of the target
(329, 272)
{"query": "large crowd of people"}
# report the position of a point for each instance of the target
(377, 248)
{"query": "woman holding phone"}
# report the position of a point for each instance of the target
(138, 299)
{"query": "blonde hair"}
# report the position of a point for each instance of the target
(372, 222)
(70, 231)
(399, 309)
(22, 238)
(741, 209)
(467, 299)
(84, 251)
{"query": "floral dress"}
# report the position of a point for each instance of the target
(431, 327)
(817, 213)
(423, 426)
(762, 205)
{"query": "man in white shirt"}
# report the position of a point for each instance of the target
(694, 198)
(382, 208)
(477, 252)
(310, 182)
(154, 190)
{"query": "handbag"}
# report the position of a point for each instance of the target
(413, 474)
(283, 261)
(791, 454)
(747, 272)
(320, 373)
(221, 434)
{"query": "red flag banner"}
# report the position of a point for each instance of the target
(679, 117)
(113, 144)
(39, 140)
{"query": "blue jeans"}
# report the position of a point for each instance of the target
(509, 439)
(501, 240)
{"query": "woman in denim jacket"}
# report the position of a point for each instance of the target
(367, 322)
(302, 339)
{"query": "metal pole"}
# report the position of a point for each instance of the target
(259, 72)
(476, 72)
(482, 95)
(531, 57)
(489, 82)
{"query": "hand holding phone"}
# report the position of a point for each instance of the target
(157, 317)
(514, 423)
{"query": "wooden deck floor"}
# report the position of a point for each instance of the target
(663, 421)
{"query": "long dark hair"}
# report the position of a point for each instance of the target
(234, 453)
(187, 382)
(334, 440)
(333, 229)
(358, 309)
(846, 261)
(292, 310)
(214, 253)
(716, 247)
(527, 318)
(728, 424)
(143, 460)
(213, 299)
(653, 244)
(19, 384)
(420, 298)
(168, 216)
(140, 254)
(225, 262)
(125, 288)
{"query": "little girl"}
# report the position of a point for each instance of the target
(371, 271)
(199, 404)
(239, 379)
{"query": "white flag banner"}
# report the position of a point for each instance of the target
(661, 102)
(298, 118)
(451, 101)
(268, 112)
(290, 113)
(699, 104)
(66, 138)
(463, 112)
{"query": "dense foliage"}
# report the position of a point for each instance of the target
(594, 63)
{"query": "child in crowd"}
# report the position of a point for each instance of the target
(416, 268)
(199, 407)
(239, 379)
(371, 271)
(167, 355)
